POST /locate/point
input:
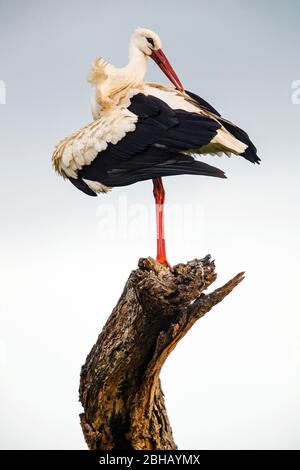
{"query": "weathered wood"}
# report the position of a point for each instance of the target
(120, 388)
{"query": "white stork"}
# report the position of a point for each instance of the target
(143, 130)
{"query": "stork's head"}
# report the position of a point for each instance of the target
(145, 40)
(149, 43)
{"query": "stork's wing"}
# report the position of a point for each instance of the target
(157, 146)
(251, 152)
(155, 136)
(228, 136)
(147, 140)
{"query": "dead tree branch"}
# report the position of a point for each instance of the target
(120, 388)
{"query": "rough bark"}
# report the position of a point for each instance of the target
(120, 388)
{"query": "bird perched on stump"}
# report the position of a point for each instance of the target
(144, 130)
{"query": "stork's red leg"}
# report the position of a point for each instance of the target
(159, 196)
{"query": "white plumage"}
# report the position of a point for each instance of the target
(83, 146)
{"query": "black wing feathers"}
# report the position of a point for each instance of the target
(153, 149)
(250, 152)
(176, 165)
(169, 168)
(80, 184)
(156, 146)
(204, 104)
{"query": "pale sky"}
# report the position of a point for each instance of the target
(233, 382)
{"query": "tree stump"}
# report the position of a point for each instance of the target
(120, 388)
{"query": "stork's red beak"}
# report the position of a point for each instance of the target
(163, 63)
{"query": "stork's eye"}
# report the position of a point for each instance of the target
(150, 40)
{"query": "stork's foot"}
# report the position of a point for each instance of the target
(165, 263)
